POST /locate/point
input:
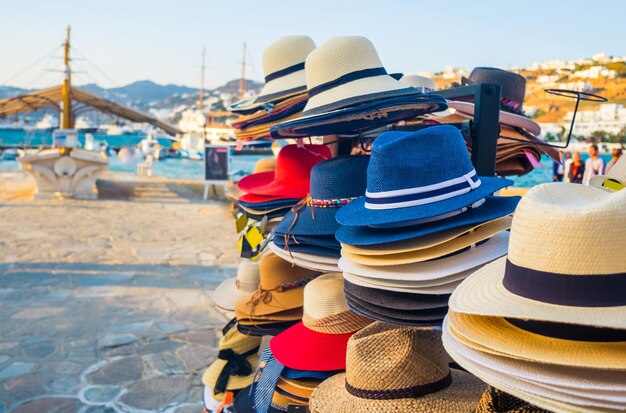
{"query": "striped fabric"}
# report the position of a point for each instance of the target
(262, 391)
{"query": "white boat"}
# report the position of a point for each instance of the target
(150, 147)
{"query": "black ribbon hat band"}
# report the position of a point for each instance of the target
(599, 290)
(348, 77)
(236, 365)
(409, 392)
(284, 72)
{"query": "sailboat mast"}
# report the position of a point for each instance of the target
(67, 121)
(242, 82)
(201, 99)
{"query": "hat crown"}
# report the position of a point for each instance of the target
(386, 357)
(418, 81)
(340, 56)
(248, 276)
(404, 160)
(512, 85)
(293, 163)
(286, 52)
(238, 342)
(276, 272)
(343, 177)
(324, 296)
(570, 229)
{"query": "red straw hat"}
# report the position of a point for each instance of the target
(291, 177)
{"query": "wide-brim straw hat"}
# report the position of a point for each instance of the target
(312, 262)
(233, 289)
(457, 245)
(283, 65)
(392, 369)
(439, 286)
(614, 180)
(441, 180)
(432, 317)
(497, 401)
(543, 395)
(395, 300)
(422, 83)
(493, 208)
(501, 336)
(349, 89)
(506, 118)
(566, 261)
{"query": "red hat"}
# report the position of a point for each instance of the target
(319, 342)
(291, 178)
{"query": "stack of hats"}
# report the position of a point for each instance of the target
(547, 324)
(306, 236)
(233, 289)
(391, 369)
(277, 303)
(284, 95)
(262, 165)
(349, 90)
(426, 222)
(519, 148)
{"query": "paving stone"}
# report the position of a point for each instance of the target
(49, 405)
(39, 350)
(207, 337)
(170, 328)
(3, 358)
(64, 384)
(101, 394)
(195, 357)
(156, 392)
(37, 313)
(115, 340)
(6, 291)
(16, 368)
(118, 372)
(157, 346)
(65, 367)
(100, 409)
(131, 327)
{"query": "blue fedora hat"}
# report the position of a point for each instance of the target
(493, 208)
(313, 241)
(334, 184)
(417, 176)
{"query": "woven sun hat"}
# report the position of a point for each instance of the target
(283, 65)
(291, 178)
(614, 180)
(234, 367)
(232, 289)
(403, 187)
(458, 245)
(280, 289)
(395, 300)
(334, 183)
(494, 207)
(422, 83)
(319, 342)
(497, 401)
(512, 90)
(349, 89)
(391, 369)
(566, 261)
(312, 262)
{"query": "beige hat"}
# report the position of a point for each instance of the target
(392, 369)
(232, 289)
(422, 83)
(310, 261)
(615, 179)
(429, 287)
(566, 261)
(462, 241)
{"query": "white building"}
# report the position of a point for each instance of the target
(610, 118)
(594, 72)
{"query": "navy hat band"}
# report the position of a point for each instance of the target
(423, 195)
(348, 77)
(284, 72)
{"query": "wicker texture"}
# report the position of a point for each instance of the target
(497, 401)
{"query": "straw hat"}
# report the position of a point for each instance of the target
(422, 83)
(437, 287)
(280, 289)
(234, 367)
(497, 401)
(319, 342)
(283, 65)
(440, 180)
(392, 369)
(457, 245)
(566, 261)
(614, 180)
(233, 289)
(395, 300)
(349, 89)
(312, 262)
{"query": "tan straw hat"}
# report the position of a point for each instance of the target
(233, 289)
(566, 261)
(464, 241)
(497, 401)
(392, 369)
(615, 179)
(422, 83)
(281, 289)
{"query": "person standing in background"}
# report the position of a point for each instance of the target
(594, 165)
(576, 170)
(558, 169)
(617, 153)
(567, 164)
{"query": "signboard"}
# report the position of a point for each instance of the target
(216, 167)
(64, 138)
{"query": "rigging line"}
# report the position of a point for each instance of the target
(82, 55)
(33, 64)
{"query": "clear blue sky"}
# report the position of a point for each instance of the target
(162, 40)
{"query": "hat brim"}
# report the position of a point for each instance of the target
(356, 214)
(315, 263)
(323, 241)
(384, 111)
(506, 118)
(385, 318)
(267, 329)
(483, 293)
(209, 378)
(494, 207)
(296, 374)
(226, 294)
(301, 348)
(498, 336)
(311, 252)
(461, 396)
(395, 300)
(264, 203)
(433, 315)
(310, 221)
(264, 184)
(280, 302)
(495, 248)
(251, 105)
(409, 287)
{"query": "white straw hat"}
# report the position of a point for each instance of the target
(233, 289)
(615, 179)
(407, 287)
(566, 262)
(421, 83)
(309, 261)
(283, 65)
